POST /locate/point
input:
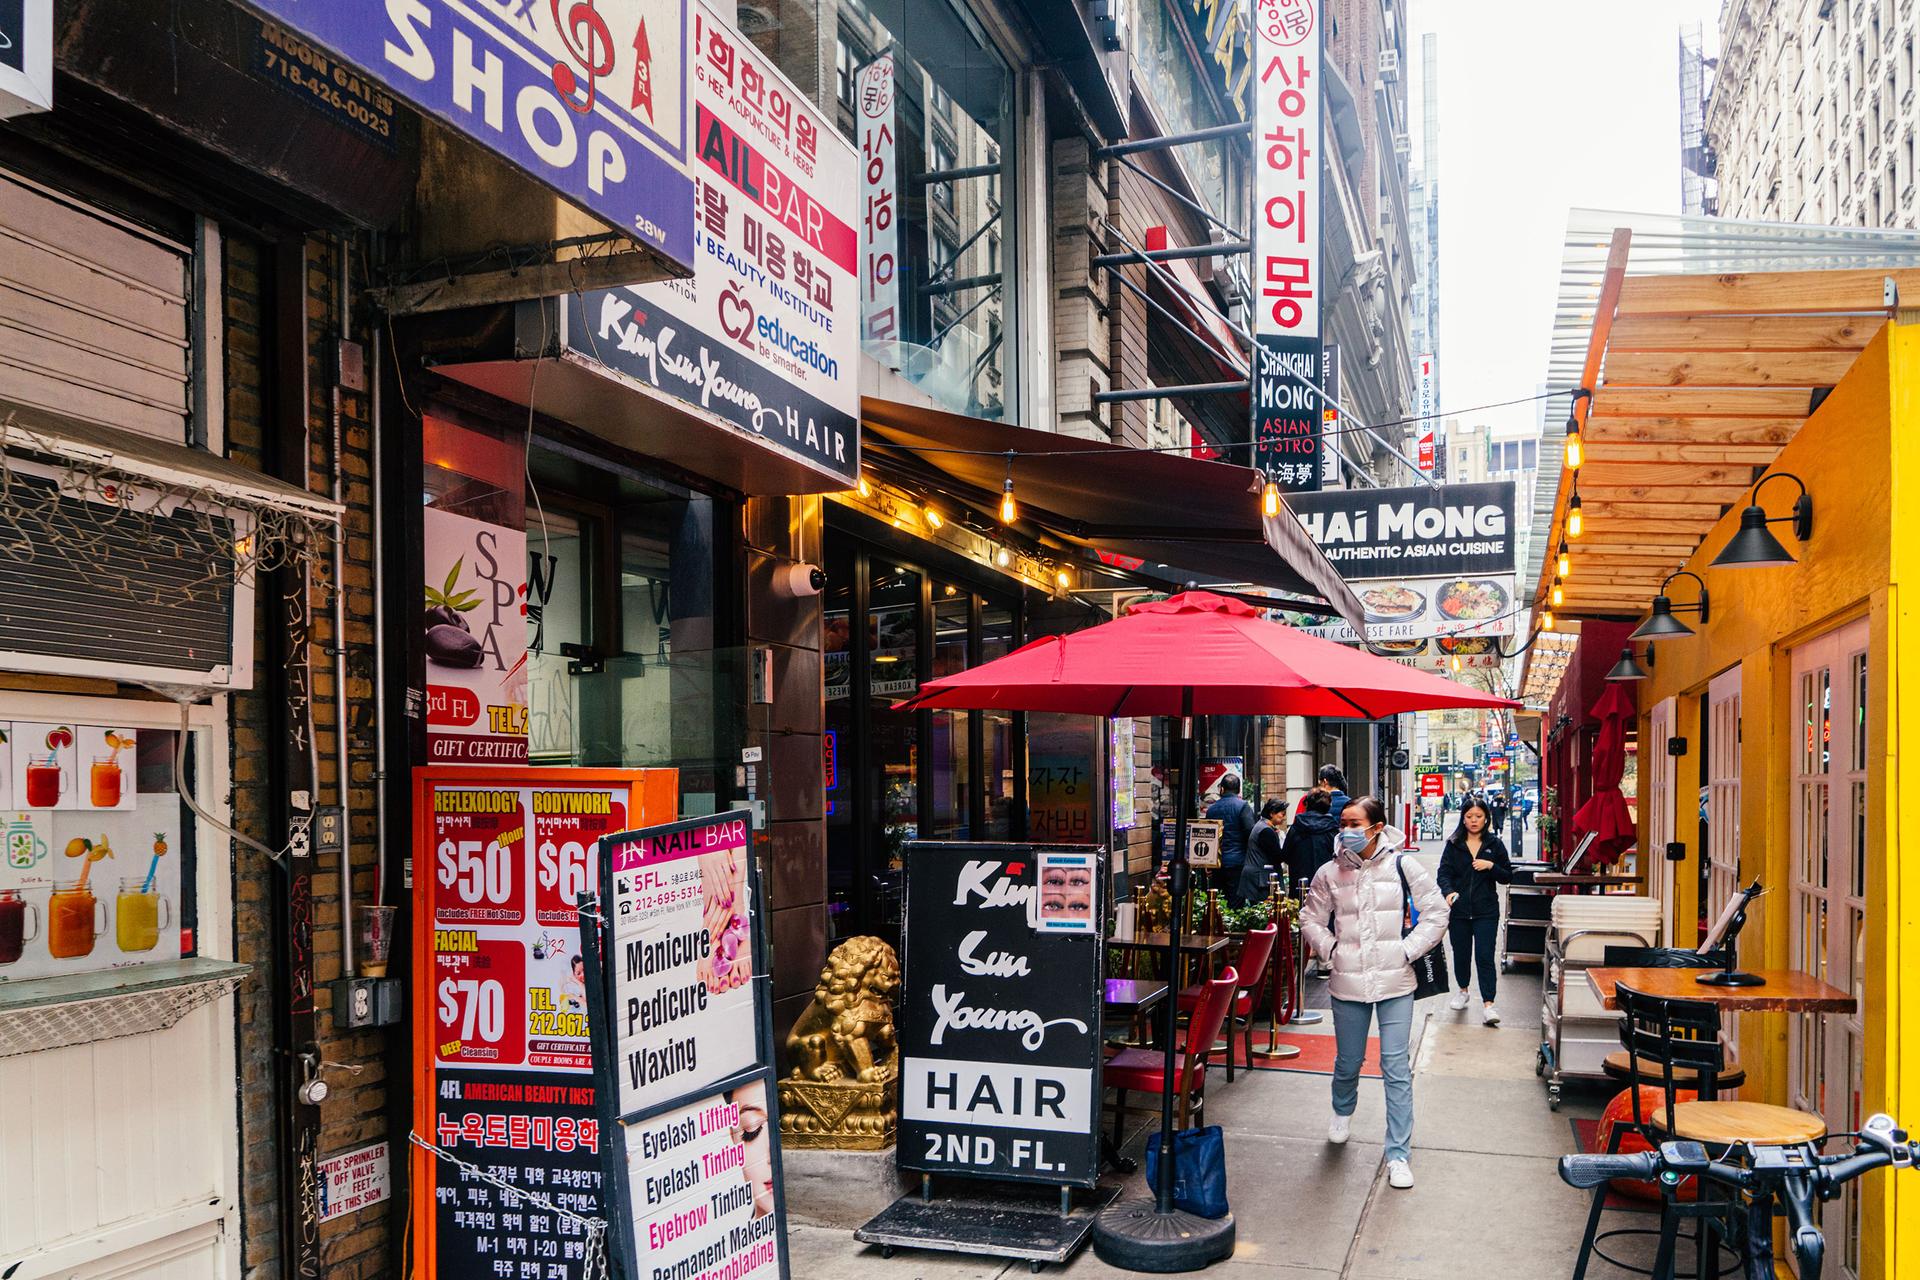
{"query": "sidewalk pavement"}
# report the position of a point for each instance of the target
(1487, 1199)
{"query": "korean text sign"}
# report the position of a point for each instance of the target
(1000, 1012)
(766, 334)
(501, 1042)
(686, 1041)
(587, 98)
(879, 207)
(1286, 241)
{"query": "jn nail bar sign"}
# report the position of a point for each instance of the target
(1000, 1012)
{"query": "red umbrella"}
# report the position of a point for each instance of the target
(1605, 813)
(1194, 654)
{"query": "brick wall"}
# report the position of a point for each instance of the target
(355, 1246)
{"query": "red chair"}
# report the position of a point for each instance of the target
(1144, 1070)
(1256, 953)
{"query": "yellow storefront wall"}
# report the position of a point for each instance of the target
(1859, 456)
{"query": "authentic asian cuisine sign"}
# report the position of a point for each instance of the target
(1288, 354)
(1445, 531)
(1000, 1012)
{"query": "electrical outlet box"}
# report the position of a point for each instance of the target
(1676, 852)
(368, 1002)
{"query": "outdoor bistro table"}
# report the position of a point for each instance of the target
(1193, 946)
(1131, 999)
(1780, 990)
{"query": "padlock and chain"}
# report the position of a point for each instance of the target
(597, 1266)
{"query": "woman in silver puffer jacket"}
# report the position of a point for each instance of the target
(1359, 893)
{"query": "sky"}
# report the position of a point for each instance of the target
(1545, 105)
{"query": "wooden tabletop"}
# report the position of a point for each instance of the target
(1562, 878)
(1130, 997)
(1784, 991)
(1204, 944)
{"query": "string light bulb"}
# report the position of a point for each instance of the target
(1270, 499)
(1566, 561)
(1575, 524)
(933, 519)
(1064, 578)
(1546, 620)
(1003, 557)
(1559, 596)
(1574, 452)
(1009, 510)
(1456, 662)
(866, 490)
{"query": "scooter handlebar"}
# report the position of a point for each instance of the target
(1585, 1172)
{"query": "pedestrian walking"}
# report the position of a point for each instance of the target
(1264, 853)
(1309, 846)
(1331, 783)
(1364, 895)
(1473, 866)
(1236, 819)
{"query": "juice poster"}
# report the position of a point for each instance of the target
(505, 1067)
(90, 849)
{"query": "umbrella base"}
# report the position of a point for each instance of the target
(1133, 1236)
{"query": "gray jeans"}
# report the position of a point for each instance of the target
(1351, 1021)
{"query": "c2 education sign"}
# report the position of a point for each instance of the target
(587, 98)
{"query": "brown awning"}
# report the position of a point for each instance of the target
(1171, 512)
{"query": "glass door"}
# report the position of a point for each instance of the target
(1723, 805)
(1653, 850)
(1828, 907)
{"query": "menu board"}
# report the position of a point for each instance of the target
(684, 1053)
(505, 1073)
(91, 845)
(1000, 1011)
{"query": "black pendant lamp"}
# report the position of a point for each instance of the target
(1661, 624)
(1754, 546)
(1627, 668)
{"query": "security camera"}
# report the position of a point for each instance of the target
(802, 580)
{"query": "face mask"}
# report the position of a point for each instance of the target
(1353, 839)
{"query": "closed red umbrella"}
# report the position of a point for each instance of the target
(1194, 654)
(1605, 813)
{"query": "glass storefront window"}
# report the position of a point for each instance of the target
(1169, 80)
(951, 750)
(955, 144)
(629, 662)
(997, 639)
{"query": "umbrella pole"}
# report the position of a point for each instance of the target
(1147, 1233)
(1179, 874)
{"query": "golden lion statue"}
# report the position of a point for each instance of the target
(842, 1089)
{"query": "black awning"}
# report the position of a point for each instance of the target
(1162, 509)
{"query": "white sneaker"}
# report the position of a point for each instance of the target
(1458, 1001)
(1399, 1174)
(1339, 1129)
(1490, 1015)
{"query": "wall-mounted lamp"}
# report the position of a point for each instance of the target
(1627, 668)
(1661, 624)
(1754, 547)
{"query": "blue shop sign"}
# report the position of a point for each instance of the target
(588, 99)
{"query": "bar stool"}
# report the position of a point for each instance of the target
(1679, 1042)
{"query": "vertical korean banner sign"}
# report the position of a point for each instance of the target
(1286, 241)
(504, 1073)
(684, 1053)
(879, 171)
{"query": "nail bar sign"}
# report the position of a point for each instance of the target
(1000, 1016)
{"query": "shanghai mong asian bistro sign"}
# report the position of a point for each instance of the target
(586, 98)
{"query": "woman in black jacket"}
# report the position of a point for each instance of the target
(1472, 868)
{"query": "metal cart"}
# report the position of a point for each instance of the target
(1577, 1031)
(1524, 924)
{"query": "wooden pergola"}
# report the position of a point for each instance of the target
(1698, 381)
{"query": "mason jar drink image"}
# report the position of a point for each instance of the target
(46, 781)
(19, 922)
(139, 914)
(103, 783)
(74, 919)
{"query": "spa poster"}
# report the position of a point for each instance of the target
(506, 1078)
